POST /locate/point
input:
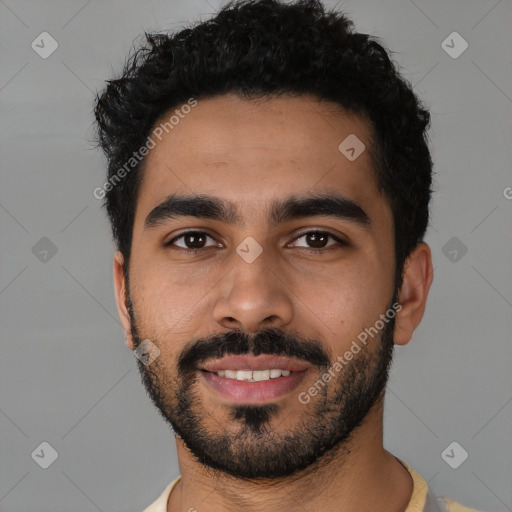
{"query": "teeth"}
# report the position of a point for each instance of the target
(244, 375)
(253, 376)
(258, 375)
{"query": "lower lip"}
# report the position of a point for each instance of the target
(240, 391)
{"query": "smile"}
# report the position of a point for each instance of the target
(253, 375)
(246, 389)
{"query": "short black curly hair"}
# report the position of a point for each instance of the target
(258, 48)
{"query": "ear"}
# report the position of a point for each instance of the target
(412, 296)
(120, 291)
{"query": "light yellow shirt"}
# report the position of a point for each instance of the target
(417, 503)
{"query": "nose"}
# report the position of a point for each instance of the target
(254, 296)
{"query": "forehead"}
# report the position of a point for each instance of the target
(254, 151)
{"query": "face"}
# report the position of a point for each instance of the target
(275, 253)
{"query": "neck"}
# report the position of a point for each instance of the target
(356, 476)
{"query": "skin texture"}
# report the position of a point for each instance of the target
(252, 153)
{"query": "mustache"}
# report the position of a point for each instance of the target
(270, 341)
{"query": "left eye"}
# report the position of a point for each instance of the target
(318, 239)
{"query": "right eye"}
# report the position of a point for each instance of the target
(194, 242)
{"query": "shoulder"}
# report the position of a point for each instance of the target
(453, 506)
(160, 505)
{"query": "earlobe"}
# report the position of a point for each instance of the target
(120, 293)
(412, 296)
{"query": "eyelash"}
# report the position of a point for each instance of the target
(341, 243)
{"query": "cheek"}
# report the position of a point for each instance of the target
(347, 301)
(170, 300)
(161, 317)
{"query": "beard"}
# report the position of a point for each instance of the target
(243, 440)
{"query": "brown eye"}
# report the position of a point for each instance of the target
(192, 241)
(318, 240)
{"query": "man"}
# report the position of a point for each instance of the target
(268, 188)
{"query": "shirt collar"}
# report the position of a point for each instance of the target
(422, 499)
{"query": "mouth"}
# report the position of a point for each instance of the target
(253, 380)
(253, 375)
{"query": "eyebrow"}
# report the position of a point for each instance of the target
(282, 210)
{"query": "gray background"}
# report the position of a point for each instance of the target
(66, 376)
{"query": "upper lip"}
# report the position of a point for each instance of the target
(261, 362)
